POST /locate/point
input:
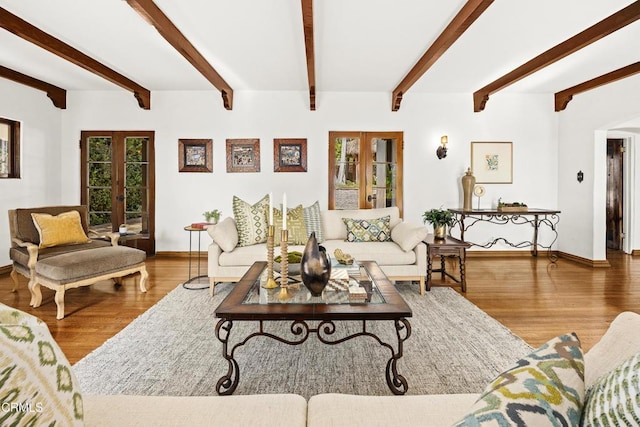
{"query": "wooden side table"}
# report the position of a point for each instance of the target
(445, 247)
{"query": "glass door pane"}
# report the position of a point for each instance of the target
(100, 169)
(347, 172)
(383, 173)
(136, 197)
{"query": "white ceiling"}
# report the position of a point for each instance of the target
(360, 45)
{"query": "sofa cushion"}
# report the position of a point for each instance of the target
(21, 254)
(251, 220)
(544, 388)
(344, 410)
(74, 266)
(260, 410)
(297, 230)
(335, 229)
(368, 230)
(407, 235)
(619, 343)
(313, 221)
(37, 384)
(58, 230)
(613, 400)
(225, 234)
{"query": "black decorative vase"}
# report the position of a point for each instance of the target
(315, 267)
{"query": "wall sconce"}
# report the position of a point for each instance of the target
(441, 152)
(580, 176)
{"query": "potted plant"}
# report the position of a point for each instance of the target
(440, 219)
(212, 216)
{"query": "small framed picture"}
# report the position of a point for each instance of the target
(289, 155)
(243, 155)
(195, 155)
(492, 162)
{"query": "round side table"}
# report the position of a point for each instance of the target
(192, 230)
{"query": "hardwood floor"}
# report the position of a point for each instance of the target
(537, 300)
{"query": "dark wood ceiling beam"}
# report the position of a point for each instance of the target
(563, 97)
(592, 34)
(57, 95)
(458, 25)
(30, 33)
(153, 15)
(307, 22)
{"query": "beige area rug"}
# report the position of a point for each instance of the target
(172, 350)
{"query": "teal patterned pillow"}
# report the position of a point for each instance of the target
(544, 388)
(614, 400)
(251, 220)
(37, 385)
(368, 230)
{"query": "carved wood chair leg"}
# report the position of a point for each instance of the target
(144, 276)
(59, 299)
(14, 277)
(36, 294)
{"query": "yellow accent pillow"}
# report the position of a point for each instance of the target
(63, 229)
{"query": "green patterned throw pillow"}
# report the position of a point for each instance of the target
(544, 388)
(37, 385)
(313, 221)
(297, 230)
(251, 220)
(368, 230)
(614, 400)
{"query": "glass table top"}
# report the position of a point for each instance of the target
(354, 280)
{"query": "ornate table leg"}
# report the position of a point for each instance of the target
(396, 382)
(463, 280)
(429, 268)
(227, 383)
(443, 267)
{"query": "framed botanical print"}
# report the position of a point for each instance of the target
(243, 155)
(492, 162)
(289, 155)
(195, 155)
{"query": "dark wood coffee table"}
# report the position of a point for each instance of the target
(248, 301)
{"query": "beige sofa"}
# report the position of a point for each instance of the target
(18, 356)
(402, 258)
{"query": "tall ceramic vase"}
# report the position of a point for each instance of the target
(315, 267)
(468, 182)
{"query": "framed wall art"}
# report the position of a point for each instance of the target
(243, 155)
(289, 155)
(492, 162)
(195, 155)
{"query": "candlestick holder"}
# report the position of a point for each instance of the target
(270, 283)
(284, 265)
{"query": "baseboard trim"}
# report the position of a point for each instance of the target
(177, 254)
(635, 252)
(585, 261)
(505, 254)
(5, 269)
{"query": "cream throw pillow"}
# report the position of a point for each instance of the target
(225, 234)
(63, 229)
(407, 236)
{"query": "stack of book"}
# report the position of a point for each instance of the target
(357, 294)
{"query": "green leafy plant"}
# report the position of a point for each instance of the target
(438, 217)
(294, 257)
(214, 214)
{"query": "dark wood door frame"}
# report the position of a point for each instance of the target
(615, 193)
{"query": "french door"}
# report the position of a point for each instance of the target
(365, 170)
(118, 184)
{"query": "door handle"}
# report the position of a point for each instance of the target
(371, 198)
(120, 198)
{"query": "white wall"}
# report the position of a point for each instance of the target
(40, 130)
(527, 121)
(583, 130)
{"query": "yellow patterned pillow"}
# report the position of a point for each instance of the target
(63, 229)
(37, 385)
(295, 224)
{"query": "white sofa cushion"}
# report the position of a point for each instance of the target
(344, 410)
(264, 410)
(334, 228)
(620, 342)
(225, 234)
(407, 235)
